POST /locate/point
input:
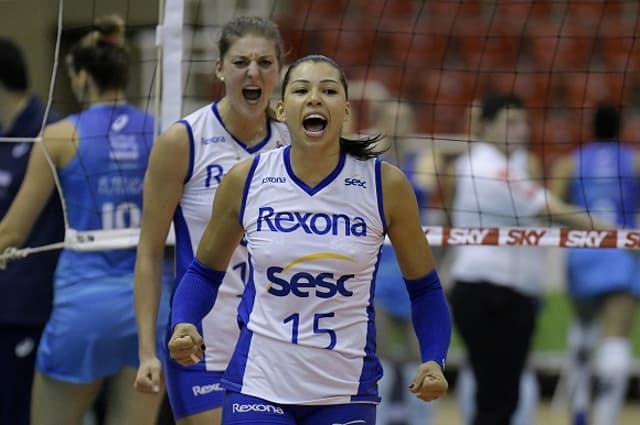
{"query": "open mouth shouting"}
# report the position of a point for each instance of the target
(252, 94)
(314, 124)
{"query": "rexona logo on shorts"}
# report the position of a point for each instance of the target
(303, 284)
(261, 408)
(205, 389)
(311, 224)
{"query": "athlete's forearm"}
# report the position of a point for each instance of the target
(147, 293)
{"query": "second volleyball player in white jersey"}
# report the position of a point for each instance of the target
(187, 164)
(314, 216)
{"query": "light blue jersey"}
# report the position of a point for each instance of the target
(92, 330)
(605, 183)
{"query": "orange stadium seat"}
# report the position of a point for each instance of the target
(554, 134)
(619, 45)
(350, 46)
(518, 12)
(567, 47)
(487, 45)
(449, 11)
(631, 130)
(400, 9)
(537, 89)
(589, 89)
(446, 87)
(318, 15)
(594, 11)
(418, 50)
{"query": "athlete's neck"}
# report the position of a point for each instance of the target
(249, 130)
(109, 97)
(312, 164)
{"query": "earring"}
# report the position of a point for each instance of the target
(222, 79)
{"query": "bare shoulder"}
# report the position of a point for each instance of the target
(174, 140)
(392, 177)
(239, 172)
(61, 139)
(59, 131)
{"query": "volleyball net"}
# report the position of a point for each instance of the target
(416, 70)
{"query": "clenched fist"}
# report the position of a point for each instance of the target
(429, 383)
(186, 345)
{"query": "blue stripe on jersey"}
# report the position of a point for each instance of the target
(371, 368)
(250, 149)
(248, 297)
(245, 190)
(184, 252)
(325, 182)
(236, 369)
(378, 168)
(191, 150)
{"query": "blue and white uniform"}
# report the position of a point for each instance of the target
(605, 183)
(308, 333)
(213, 152)
(91, 333)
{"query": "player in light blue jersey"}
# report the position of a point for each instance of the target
(186, 167)
(100, 155)
(604, 284)
(314, 216)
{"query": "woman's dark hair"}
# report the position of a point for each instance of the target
(245, 25)
(361, 148)
(495, 102)
(606, 123)
(13, 69)
(102, 53)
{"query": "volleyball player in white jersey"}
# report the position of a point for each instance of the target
(314, 216)
(185, 170)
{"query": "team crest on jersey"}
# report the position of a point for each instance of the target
(303, 284)
(356, 180)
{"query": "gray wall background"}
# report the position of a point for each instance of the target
(32, 25)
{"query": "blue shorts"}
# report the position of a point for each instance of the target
(92, 334)
(593, 272)
(240, 409)
(192, 389)
(391, 291)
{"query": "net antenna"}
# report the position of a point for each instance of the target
(168, 40)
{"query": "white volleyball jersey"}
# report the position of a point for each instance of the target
(308, 308)
(213, 152)
(493, 190)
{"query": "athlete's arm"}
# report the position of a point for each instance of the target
(429, 309)
(561, 173)
(37, 186)
(403, 224)
(198, 288)
(163, 187)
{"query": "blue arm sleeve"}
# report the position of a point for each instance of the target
(430, 316)
(196, 293)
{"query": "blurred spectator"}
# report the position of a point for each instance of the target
(495, 295)
(26, 287)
